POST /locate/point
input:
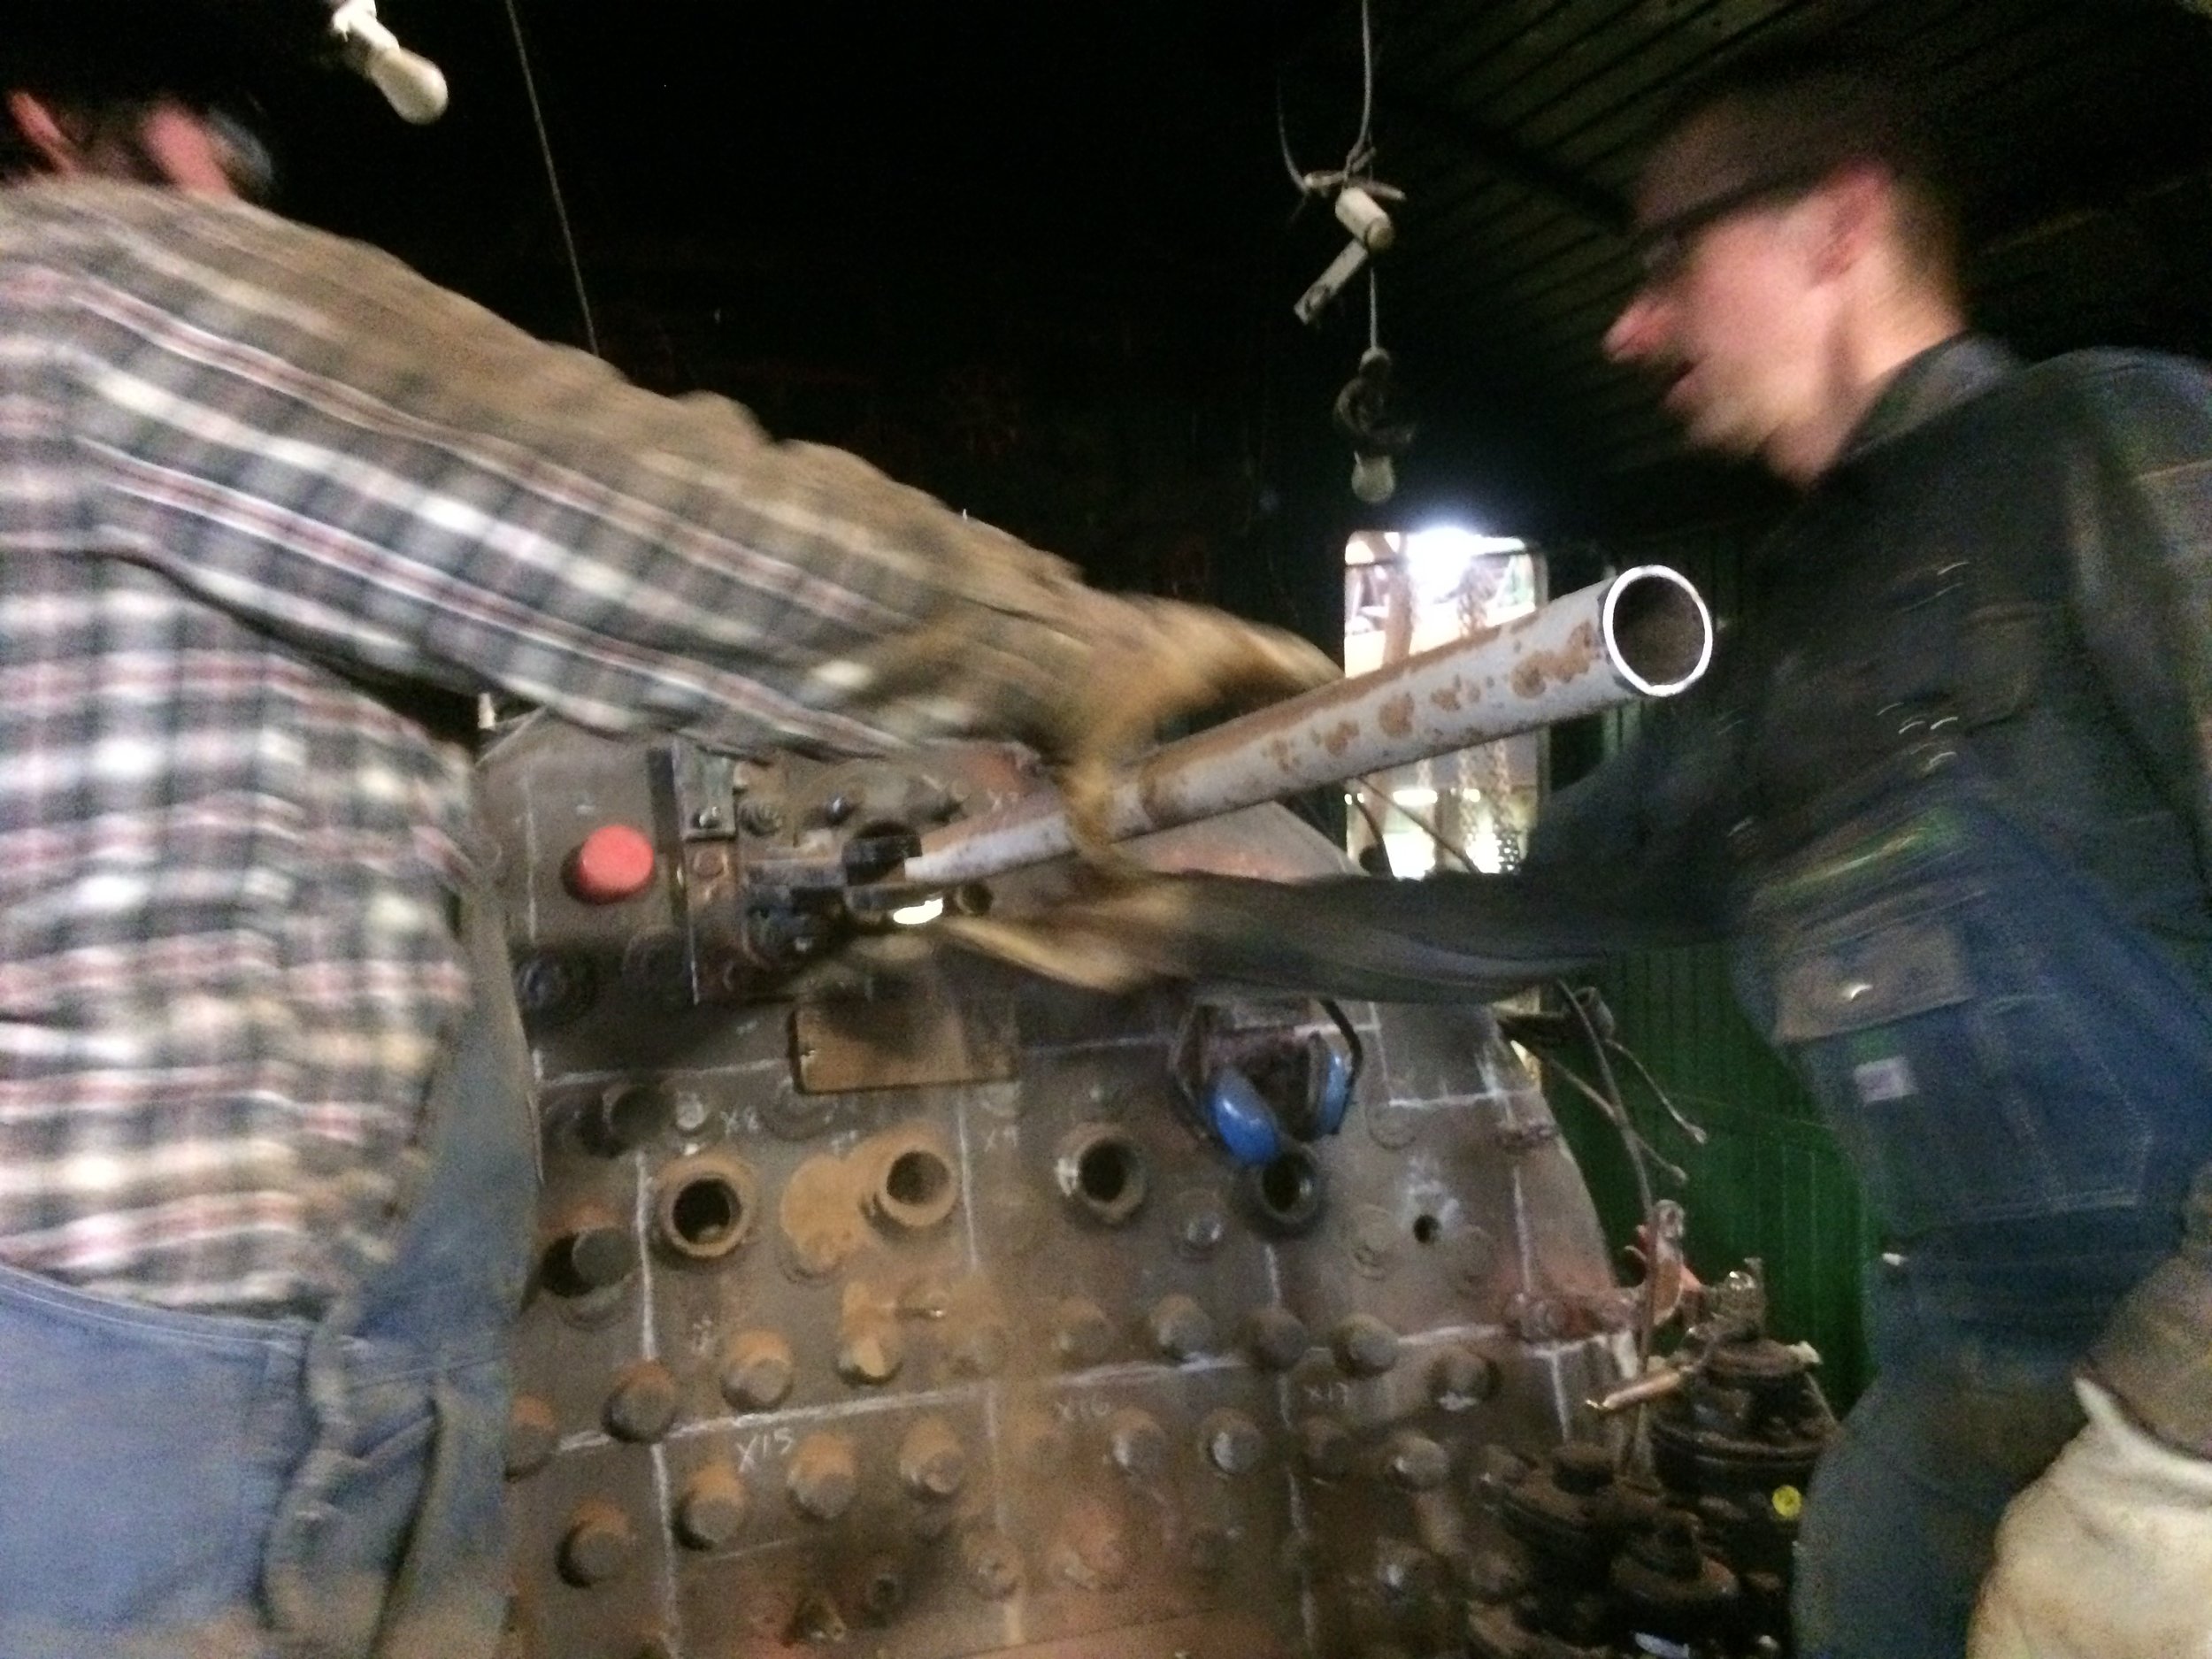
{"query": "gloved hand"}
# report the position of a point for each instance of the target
(2109, 1555)
(1150, 660)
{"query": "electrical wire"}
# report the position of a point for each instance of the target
(1362, 149)
(1694, 1131)
(1374, 824)
(1363, 146)
(553, 177)
(1638, 1149)
(1628, 1131)
(1282, 137)
(1426, 825)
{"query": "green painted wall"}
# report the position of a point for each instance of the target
(1769, 1182)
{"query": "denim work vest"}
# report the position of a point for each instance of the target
(2014, 1075)
(1967, 898)
(180, 1485)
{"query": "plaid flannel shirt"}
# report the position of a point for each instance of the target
(245, 472)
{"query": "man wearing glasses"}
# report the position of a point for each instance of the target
(1947, 797)
(1961, 760)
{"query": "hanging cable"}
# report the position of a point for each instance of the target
(1695, 1132)
(1282, 137)
(1638, 1150)
(553, 177)
(1358, 157)
(1362, 149)
(1426, 825)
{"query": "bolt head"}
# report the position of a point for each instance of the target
(758, 1369)
(642, 1407)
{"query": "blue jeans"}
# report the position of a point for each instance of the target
(178, 1484)
(2023, 1084)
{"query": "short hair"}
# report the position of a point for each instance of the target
(100, 63)
(1803, 111)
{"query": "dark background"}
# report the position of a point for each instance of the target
(1039, 258)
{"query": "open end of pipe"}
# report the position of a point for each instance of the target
(1658, 630)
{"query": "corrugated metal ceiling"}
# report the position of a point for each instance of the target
(1516, 128)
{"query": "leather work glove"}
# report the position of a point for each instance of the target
(2109, 1555)
(1148, 661)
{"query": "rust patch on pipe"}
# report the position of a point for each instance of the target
(1396, 716)
(1448, 697)
(1570, 662)
(1338, 737)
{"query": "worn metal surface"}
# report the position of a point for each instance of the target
(1643, 633)
(1000, 1366)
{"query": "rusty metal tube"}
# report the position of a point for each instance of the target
(1644, 634)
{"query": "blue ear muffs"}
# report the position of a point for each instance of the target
(1255, 1090)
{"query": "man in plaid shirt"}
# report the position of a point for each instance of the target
(253, 480)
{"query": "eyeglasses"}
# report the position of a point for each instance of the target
(1663, 247)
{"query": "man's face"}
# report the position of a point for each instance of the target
(1730, 312)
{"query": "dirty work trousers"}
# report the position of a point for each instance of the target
(181, 1485)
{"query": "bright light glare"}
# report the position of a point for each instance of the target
(915, 915)
(1414, 797)
(1446, 548)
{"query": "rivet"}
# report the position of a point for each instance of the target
(757, 1371)
(869, 1352)
(598, 1544)
(933, 1463)
(824, 1476)
(1364, 1345)
(642, 1405)
(1201, 1223)
(1136, 1442)
(711, 1509)
(1082, 1335)
(533, 1435)
(1232, 1440)
(1181, 1330)
(1403, 1572)
(1413, 1462)
(592, 1250)
(991, 1564)
(1460, 1378)
(1276, 1338)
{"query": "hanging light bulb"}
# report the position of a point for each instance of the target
(1374, 477)
(1363, 414)
(411, 84)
